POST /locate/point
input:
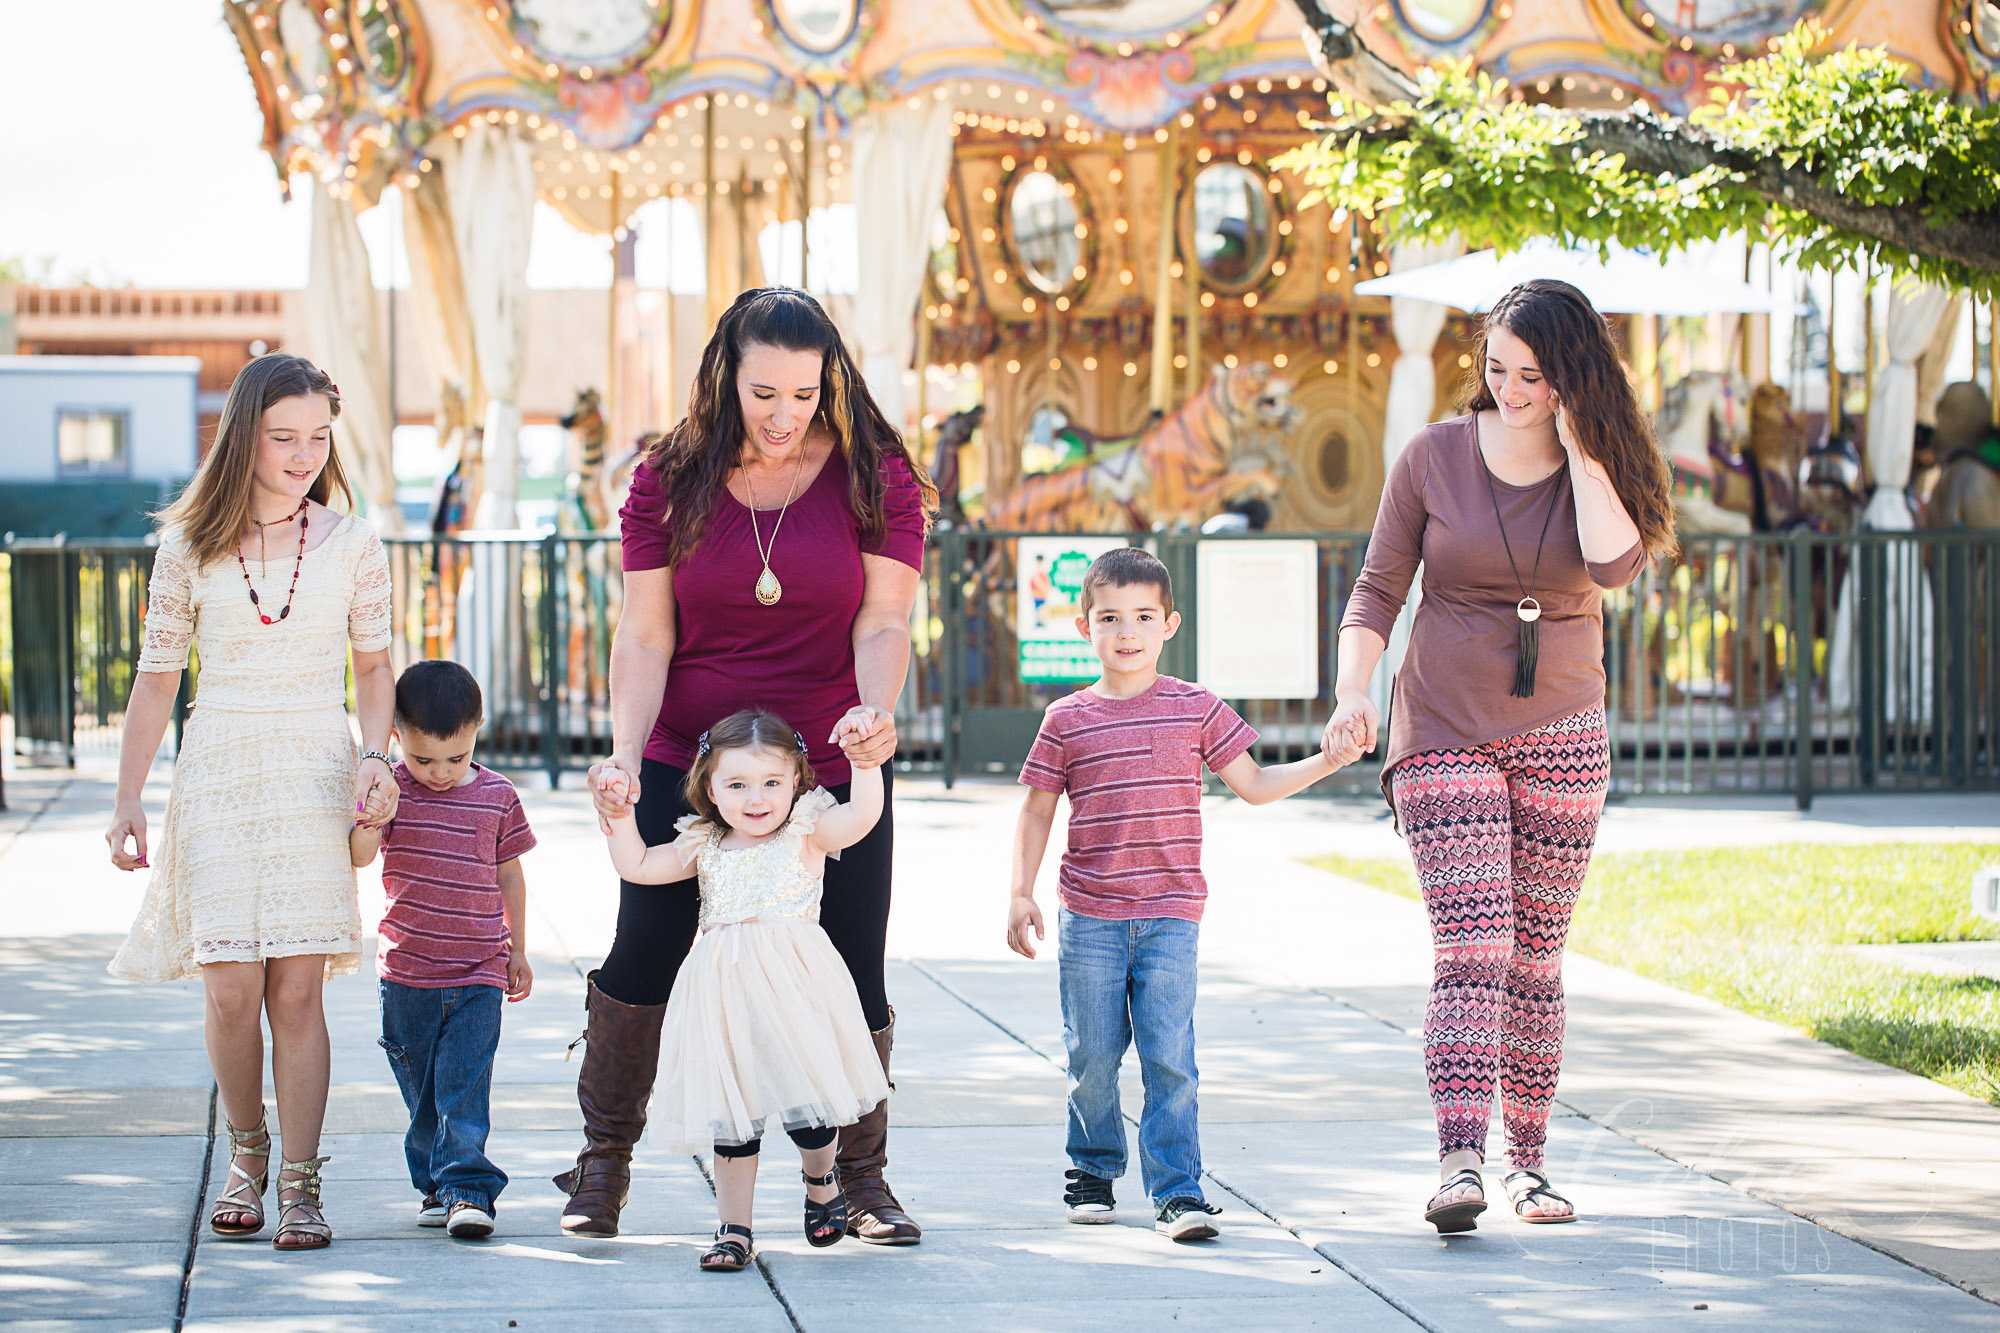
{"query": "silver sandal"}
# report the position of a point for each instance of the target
(300, 1215)
(244, 1195)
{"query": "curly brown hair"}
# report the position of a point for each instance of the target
(749, 729)
(1574, 349)
(694, 458)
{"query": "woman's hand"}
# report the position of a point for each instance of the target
(614, 789)
(128, 823)
(375, 794)
(1564, 436)
(1355, 718)
(867, 735)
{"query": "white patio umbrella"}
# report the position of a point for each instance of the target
(1625, 282)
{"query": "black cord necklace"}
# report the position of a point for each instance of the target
(1528, 611)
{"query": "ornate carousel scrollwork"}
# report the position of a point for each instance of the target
(1710, 29)
(388, 47)
(1972, 34)
(819, 36)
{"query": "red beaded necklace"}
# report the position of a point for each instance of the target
(300, 515)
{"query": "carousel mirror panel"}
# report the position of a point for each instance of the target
(817, 25)
(1229, 224)
(381, 35)
(607, 34)
(1042, 231)
(1443, 21)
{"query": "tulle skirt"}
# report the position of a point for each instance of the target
(763, 1031)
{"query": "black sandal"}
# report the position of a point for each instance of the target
(826, 1222)
(728, 1254)
(1462, 1214)
(1525, 1185)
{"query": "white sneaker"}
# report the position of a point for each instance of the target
(469, 1221)
(431, 1213)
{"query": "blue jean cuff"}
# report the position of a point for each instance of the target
(483, 1202)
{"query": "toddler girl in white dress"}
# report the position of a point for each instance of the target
(764, 1028)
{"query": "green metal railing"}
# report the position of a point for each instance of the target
(1729, 668)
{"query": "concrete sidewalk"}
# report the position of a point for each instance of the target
(1728, 1170)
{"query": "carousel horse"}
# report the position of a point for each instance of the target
(583, 508)
(1968, 449)
(1225, 444)
(954, 433)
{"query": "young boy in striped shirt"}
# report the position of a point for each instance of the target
(452, 942)
(1128, 750)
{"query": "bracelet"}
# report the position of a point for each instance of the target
(374, 754)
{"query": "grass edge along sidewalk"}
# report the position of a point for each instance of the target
(1765, 929)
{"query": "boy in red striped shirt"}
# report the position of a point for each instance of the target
(452, 942)
(1129, 751)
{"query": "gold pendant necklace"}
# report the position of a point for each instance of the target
(768, 589)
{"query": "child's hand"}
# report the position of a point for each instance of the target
(520, 977)
(613, 790)
(1344, 746)
(1023, 914)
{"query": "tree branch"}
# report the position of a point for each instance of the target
(1652, 146)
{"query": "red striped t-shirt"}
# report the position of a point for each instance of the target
(441, 860)
(1132, 771)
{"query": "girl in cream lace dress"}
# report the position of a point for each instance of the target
(764, 1029)
(252, 886)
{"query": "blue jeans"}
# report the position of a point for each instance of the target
(1124, 981)
(441, 1045)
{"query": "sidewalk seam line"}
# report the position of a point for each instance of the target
(1324, 1251)
(194, 1223)
(35, 814)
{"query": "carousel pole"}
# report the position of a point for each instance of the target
(805, 200)
(710, 268)
(1168, 156)
(1867, 336)
(1191, 280)
(1833, 412)
(1992, 356)
(611, 301)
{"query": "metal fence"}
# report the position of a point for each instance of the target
(1730, 668)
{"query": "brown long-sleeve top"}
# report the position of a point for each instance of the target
(1454, 689)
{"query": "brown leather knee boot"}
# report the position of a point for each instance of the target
(621, 1058)
(872, 1211)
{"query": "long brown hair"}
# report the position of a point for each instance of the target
(215, 508)
(694, 458)
(1573, 347)
(750, 729)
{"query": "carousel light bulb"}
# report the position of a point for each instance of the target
(1374, 358)
(1079, 273)
(534, 122)
(1263, 85)
(1125, 277)
(1214, 16)
(1021, 96)
(1236, 92)
(1120, 225)
(516, 52)
(1331, 367)
(1013, 367)
(953, 236)
(492, 14)
(1081, 231)
(458, 131)
(990, 195)
(1203, 153)
(1042, 164)
(964, 285)
(1048, 107)
(1175, 270)
(798, 145)
(1090, 363)
(320, 82)
(1006, 162)
(1381, 268)
(1230, 360)
(1207, 300)
(1000, 276)
(701, 103)
(1055, 363)
(1031, 23)
(1173, 39)
(1293, 83)
(583, 72)
(1250, 300)
(549, 71)
(1208, 102)
(1464, 361)
(1277, 268)
(1125, 49)
(763, 108)
(424, 165)
(1131, 369)
(512, 118)
(1187, 120)
(742, 101)
(652, 188)
(1281, 361)
(1117, 175)
(930, 312)
(945, 310)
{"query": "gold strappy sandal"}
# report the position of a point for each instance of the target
(244, 1196)
(300, 1215)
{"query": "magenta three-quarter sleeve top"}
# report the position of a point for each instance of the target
(795, 658)
(1455, 687)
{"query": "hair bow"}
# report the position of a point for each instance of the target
(701, 745)
(801, 740)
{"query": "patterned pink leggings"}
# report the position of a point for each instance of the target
(1501, 835)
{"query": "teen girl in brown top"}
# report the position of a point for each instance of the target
(1548, 490)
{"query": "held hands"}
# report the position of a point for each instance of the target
(375, 794)
(614, 789)
(867, 735)
(128, 823)
(520, 977)
(1022, 915)
(1354, 722)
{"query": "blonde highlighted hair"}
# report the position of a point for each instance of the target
(750, 729)
(213, 511)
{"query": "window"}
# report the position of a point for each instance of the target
(91, 443)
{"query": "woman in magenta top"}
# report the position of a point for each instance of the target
(772, 545)
(1547, 491)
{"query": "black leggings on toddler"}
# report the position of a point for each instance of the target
(812, 1138)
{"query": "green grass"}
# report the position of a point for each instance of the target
(1763, 929)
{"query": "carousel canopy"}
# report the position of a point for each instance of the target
(1620, 281)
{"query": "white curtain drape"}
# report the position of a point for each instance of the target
(344, 331)
(443, 324)
(1914, 313)
(902, 159)
(490, 181)
(1412, 403)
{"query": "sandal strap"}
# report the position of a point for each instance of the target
(831, 1177)
(731, 1229)
(1540, 1189)
(247, 1142)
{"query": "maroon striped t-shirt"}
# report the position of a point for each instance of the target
(1132, 770)
(441, 860)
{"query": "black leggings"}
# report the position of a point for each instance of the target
(657, 922)
(812, 1138)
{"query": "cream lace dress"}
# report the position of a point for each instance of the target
(252, 861)
(764, 1029)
